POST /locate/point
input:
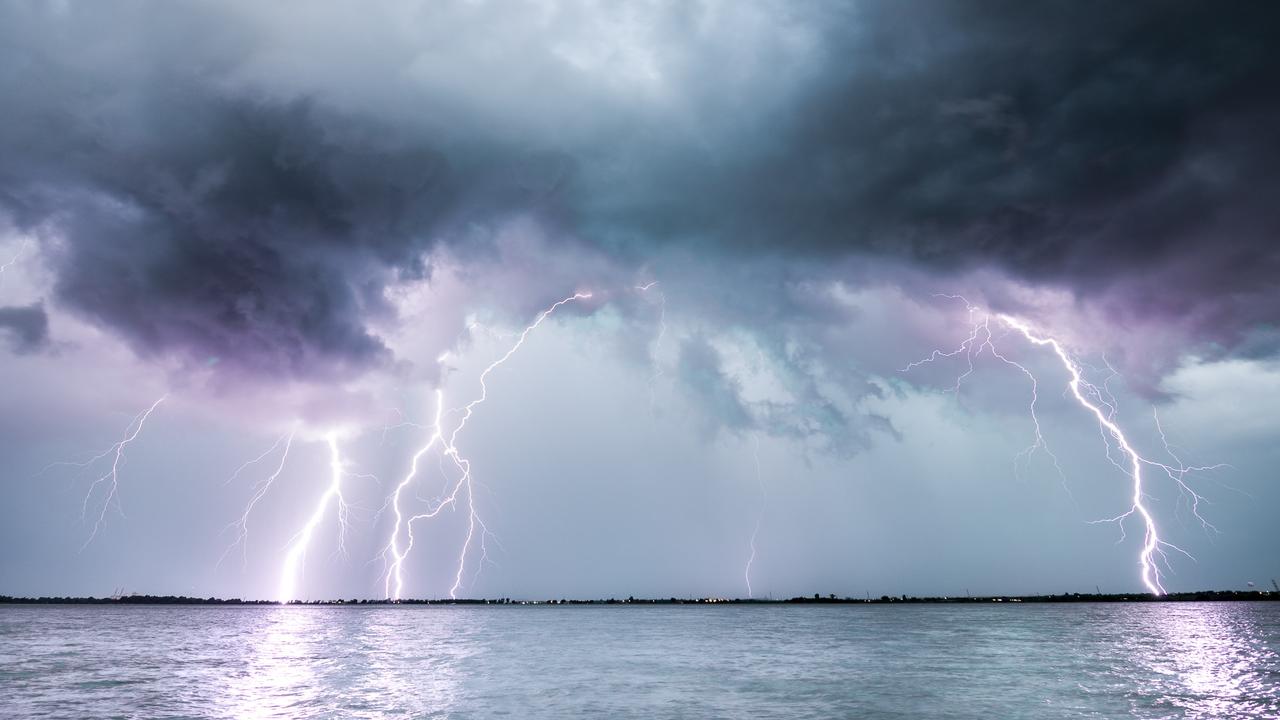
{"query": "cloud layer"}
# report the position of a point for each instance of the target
(305, 218)
(237, 186)
(26, 327)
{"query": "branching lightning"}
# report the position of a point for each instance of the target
(298, 544)
(981, 339)
(260, 489)
(461, 485)
(395, 573)
(1099, 402)
(22, 248)
(110, 479)
(1178, 474)
(403, 423)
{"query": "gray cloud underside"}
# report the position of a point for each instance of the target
(238, 185)
(1119, 150)
(25, 327)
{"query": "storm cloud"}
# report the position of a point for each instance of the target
(326, 221)
(251, 232)
(237, 186)
(26, 328)
(1123, 152)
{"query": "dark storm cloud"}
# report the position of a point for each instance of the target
(26, 328)
(233, 229)
(792, 334)
(701, 373)
(236, 183)
(255, 236)
(1125, 151)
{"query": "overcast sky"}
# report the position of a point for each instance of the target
(296, 223)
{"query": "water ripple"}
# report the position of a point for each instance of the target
(1148, 660)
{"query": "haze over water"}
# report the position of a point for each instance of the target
(1148, 660)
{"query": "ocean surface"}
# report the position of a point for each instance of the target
(1147, 660)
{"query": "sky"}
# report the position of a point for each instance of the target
(632, 299)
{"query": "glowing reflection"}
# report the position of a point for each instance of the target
(1211, 661)
(366, 662)
(277, 677)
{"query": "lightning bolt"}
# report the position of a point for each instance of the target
(260, 489)
(297, 547)
(981, 339)
(1178, 474)
(388, 427)
(26, 242)
(461, 486)
(111, 478)
(1151, 544)
(395, 573)
(746, 573)
(1100, 403)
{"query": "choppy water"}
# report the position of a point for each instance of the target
(1211, 660)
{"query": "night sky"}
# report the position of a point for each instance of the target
(296, 222)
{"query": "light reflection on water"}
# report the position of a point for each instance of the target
(277, 672)
(1203, 660)
(1217, 663)
(306, 661)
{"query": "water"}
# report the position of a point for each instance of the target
(1205, 660)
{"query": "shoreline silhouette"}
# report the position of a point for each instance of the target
(816, 599)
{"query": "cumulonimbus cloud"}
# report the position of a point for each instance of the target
(244, 197)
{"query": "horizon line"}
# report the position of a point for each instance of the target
(815, 599)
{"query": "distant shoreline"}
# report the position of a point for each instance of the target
(1198, 596)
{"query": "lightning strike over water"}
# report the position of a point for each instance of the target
(394, 580)
(395, 572)
(1100, 403)
(298, 544)
(110, 478)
